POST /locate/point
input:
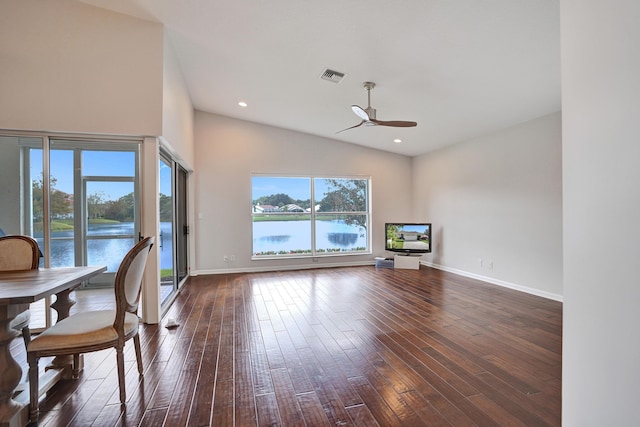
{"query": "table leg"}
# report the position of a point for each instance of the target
(62, 306)
(10, 371)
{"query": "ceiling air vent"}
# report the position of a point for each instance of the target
(332, 76)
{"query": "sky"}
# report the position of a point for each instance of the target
(297, 188)
(96, 163)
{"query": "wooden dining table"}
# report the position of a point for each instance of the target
(18, 289)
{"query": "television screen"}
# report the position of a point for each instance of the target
(408, 237)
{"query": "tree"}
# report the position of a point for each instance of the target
(128, 201)
(96, 205)
(61, 203)
(166, 208)
(279, 199)
(120, 210)
(392, 232)
(346, 195)
(304, 204)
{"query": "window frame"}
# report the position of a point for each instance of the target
(314, 253)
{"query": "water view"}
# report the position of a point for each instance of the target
(105, 250)
(280, 237)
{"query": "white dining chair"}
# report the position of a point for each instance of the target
(96, 330)
(19, 253)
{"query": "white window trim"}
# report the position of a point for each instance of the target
(313, 214)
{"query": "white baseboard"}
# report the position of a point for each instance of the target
(497, 282)
(282, 268)
(491, 280)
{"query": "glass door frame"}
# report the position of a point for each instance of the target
(168, 162)
(180, 229)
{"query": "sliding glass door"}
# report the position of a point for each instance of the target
(173, 227)
(77, 197)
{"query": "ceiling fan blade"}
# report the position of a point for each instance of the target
(359, 124)
(360, 112)
(394, 123)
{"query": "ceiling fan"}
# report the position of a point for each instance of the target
(368, 115)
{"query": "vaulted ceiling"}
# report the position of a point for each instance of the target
(460, 68)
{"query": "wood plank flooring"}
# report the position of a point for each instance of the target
(347, 346)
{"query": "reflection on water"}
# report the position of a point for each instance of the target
(108, 252)
(285, 236)
(275, 239)
(343, 239)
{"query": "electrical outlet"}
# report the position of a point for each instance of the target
(480, 262)
(232, 258)
(490, 264)
(225, 258)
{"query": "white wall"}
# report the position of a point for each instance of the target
(498, 199)
(229, 150)
(70, 67)
(177, 109)
(601, 156)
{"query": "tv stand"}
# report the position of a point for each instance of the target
(407, 262)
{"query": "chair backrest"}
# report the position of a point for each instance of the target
(129, 280)
(18, 253)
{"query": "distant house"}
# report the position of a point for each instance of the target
(292, 208)
(409, 235)
(265, 208)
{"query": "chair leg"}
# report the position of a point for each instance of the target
(33, 388)
(26, 335)
(121, 382)
(136, 344)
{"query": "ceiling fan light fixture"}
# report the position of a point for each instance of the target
(360, 112)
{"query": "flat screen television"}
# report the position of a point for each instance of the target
(409, 238)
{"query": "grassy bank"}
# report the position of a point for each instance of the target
(283, 217)
(67, 224)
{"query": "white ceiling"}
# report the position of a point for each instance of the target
(460, 68)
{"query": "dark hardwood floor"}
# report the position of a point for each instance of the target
(347, 346)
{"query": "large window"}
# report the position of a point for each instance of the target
(309, 216)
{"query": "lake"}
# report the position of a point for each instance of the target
(107, 251)
(267, 236)
(276, 236)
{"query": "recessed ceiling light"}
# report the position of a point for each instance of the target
(397, 140)
(242, 104)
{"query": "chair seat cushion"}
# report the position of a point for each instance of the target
(82, 330)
